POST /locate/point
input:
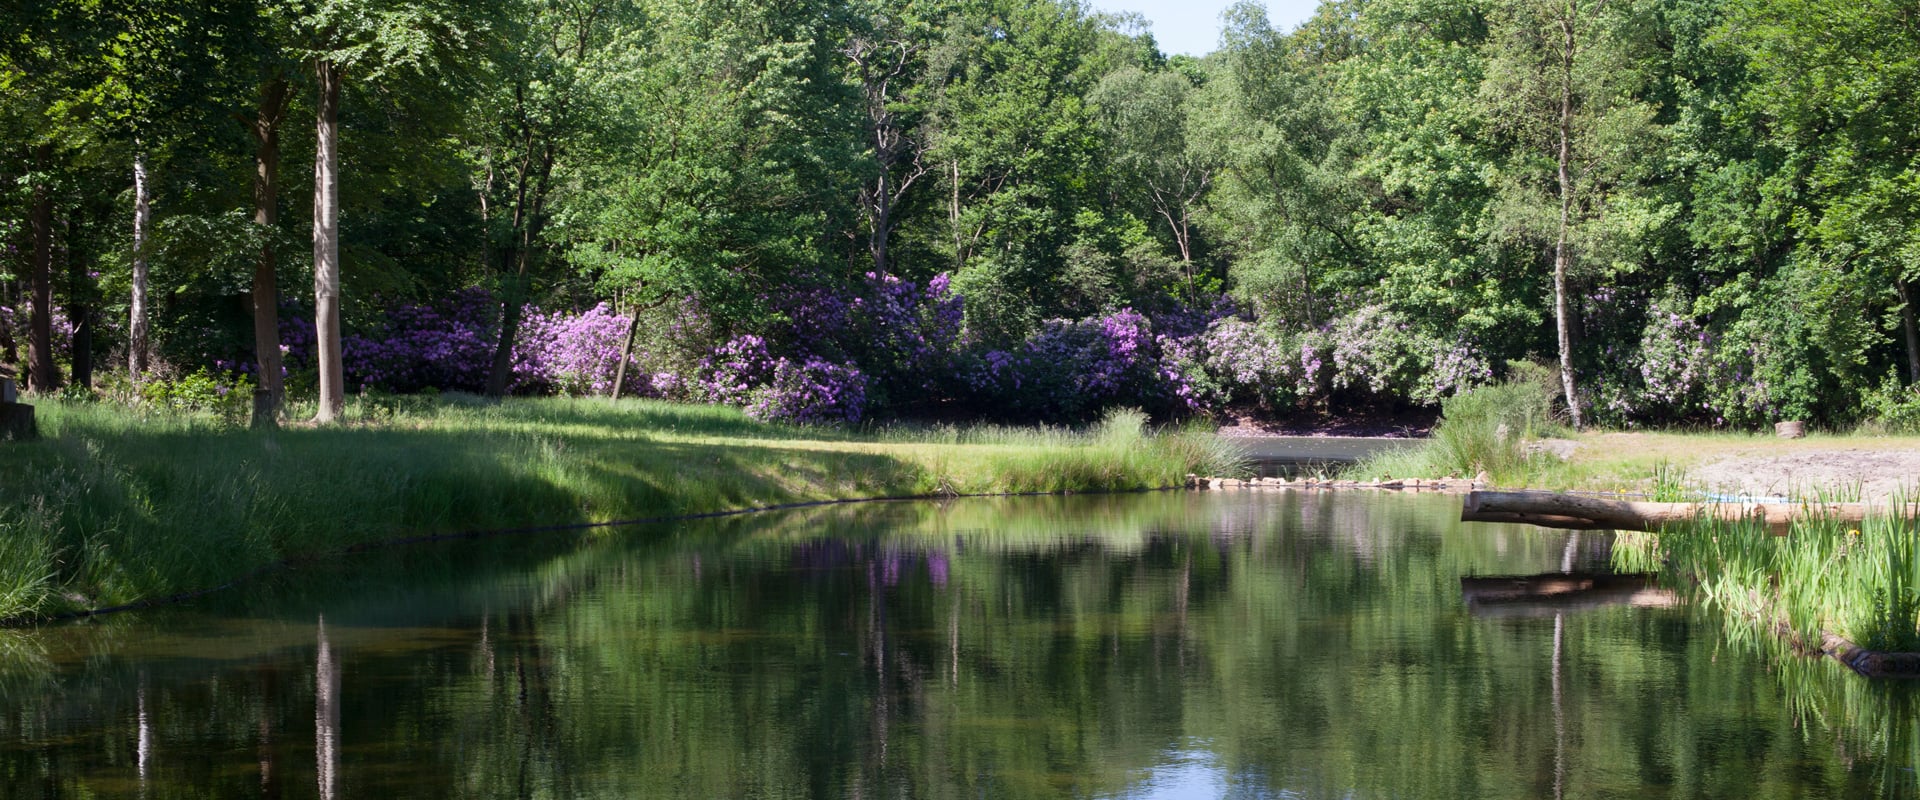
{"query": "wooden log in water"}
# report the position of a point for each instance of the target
(1576, 512)
(1556, 592)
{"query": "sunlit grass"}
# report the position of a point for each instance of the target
(115, 506)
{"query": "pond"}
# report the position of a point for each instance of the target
(1164, 645)
(1292, 456)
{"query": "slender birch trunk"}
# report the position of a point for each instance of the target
(326, 243)
(138, 346)
(1562, 254)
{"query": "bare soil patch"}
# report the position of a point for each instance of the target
(1837, 474)
(1869, 468)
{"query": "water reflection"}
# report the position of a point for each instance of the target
(1251, 645)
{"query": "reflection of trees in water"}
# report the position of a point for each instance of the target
(1311, 644)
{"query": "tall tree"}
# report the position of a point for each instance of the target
(376, 39)
(1554, 87)
(546, 100)
(1145, 118)
(1849, 135)
(885, 56)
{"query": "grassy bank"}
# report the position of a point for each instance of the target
(1860, 582)
(113, 506)
(1507, 432)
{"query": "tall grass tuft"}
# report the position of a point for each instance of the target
(1861, 582)
(1482, 430)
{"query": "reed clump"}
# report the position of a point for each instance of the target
(115, 505)
(1860, 581)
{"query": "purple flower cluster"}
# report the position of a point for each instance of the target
(745, 373)
(1252, 364)
(17, 321)
(1072, 369)
(1672, 362)
(574, 354)
(1454, 369)
(907, 338)
(446, 345)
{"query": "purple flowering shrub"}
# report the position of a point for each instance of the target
(444, 345)
(1370, 353)
(1672, 363)
(16, 322)
(1071, 370)
(905, 337)
(744, 372)
(1252, 364)
(1452, 370)
(574, 354)
(811, 391)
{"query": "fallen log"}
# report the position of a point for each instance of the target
(1552, 593)
(1576, 512)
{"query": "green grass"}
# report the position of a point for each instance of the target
(1861, 582)
(116, 506)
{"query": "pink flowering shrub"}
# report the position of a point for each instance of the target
(1070, 370)
(574, 354)
(744, 372)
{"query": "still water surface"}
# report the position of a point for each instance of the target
(1166, 645)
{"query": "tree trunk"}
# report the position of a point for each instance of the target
(266, 215)
(529, 220)
(882, 225)
(43, 375)
(626, 352)
(1562, 256)
(500, 377)
(1909, 326)
(137, 344)
(326, 243)
(79, 312)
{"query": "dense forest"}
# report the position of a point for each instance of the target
(1679, 211)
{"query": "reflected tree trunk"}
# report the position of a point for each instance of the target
(1559, 712)
(326, 716)
(143, 737)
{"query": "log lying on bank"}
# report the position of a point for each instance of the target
(1555, 592)
(1575, 512)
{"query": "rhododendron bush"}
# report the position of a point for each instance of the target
(895, 346)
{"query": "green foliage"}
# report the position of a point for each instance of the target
(1861, 582)
(1892, 408)
(226, 398)
(1481, 430)
(1388, 172)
